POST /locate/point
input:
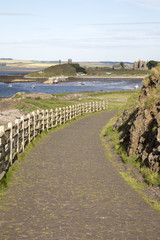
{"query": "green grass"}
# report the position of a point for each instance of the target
(58, 70)
(117, 72)
(6, 180)
(66, 99)
(29, 105)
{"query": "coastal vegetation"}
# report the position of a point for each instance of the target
(151, 64)
(48, 69)
(117, 72)
(136, 130)
(72, 70)
(26, 102)
(59, 70)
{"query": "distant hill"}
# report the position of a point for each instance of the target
(58, 70)
(6, 58)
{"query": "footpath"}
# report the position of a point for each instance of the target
(67, 189)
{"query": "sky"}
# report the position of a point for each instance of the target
(85, 30)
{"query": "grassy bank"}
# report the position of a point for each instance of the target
(30, 102)
(132, 169)
(151, 178)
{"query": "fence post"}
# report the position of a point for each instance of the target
(66, 110)
(70, 113)
(89, 106)
(10, 142)
(100, 105)
(47, 119)
(56, 116)
(64, 114)
(82, 108)
(37, 123)
(17, 135)
(34, 125)
(51, 116)
(86, 108)
(42, 120)
(103, 105)
(96, 107)
(2, 152)
(22, 121)
(93, 106)
(74, 111)
(2, 143)
(29, 127)
(106, 104)
(78, 109)
(60, 116)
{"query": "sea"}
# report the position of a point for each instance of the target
(83, 85)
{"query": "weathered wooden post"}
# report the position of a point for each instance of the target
(22, 130)
(67, 115)
(89, 106)
(17, 135)
(47, 120)
(56, 116)
(10, 142)
(34, 125)
(78, 109)
(29, 127)
(103, 105)
(100, 105)
(70, 113)
(86, 108)
(2, 152)
(106, 104)
(38, 122)
(64, 114)
(51, 116)
(60, 116)
(42, 120)
(74, 111)
(83, 108)
(93, 106)
(96, 106)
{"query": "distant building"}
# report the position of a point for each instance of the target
(141, 65)
(117, 66)
(69, 61)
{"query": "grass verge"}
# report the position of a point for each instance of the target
(150, 178)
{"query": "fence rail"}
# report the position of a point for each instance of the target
(15, 137)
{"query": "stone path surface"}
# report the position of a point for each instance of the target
(67, 189)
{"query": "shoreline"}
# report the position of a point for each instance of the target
(22, 78)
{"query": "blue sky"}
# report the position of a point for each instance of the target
(86, 30)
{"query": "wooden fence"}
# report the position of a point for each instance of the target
(15, 137)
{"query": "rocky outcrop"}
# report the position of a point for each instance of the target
(139, 126)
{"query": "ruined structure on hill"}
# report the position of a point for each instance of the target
(141, 65)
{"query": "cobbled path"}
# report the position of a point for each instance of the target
(67, 189)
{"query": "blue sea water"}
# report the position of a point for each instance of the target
(99, 84)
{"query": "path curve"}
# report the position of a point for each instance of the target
(66, 189)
